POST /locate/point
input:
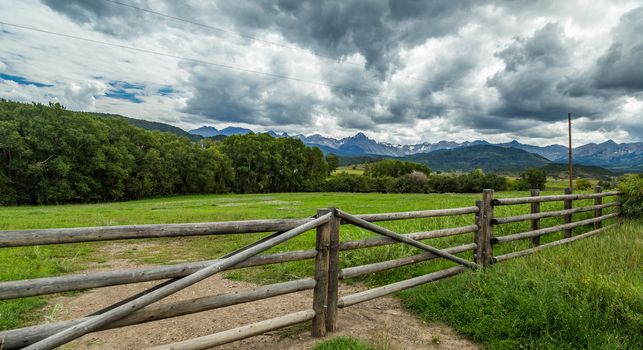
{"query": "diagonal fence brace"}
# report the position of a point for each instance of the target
(401, 238)
(121, 311)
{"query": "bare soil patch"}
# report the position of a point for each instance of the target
(380, 322)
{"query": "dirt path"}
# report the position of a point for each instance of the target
(380, 322)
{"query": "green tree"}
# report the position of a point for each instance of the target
(534, 178)
(333, 162)
(394, 168)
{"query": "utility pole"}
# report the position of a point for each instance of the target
(569, 123)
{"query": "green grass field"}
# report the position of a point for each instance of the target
(32, 262)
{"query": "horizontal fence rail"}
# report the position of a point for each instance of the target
(529, 234)
(526, 200)
(18, 338)
(550, 244)
(326, 301)
(21, 238)
(549, 214)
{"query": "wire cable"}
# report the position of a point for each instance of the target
(243, 35)
(220, 65)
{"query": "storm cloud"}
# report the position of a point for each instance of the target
(403, 71)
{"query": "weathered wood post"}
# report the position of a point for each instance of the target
(598, 212)
(487, 230)
(320, 292)
(535, 223)
(478, 236)
(333, 273)
(567, 218)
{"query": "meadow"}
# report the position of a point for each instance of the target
(32, 262)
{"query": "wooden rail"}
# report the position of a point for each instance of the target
(326, 254)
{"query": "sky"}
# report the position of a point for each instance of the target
(400, 71)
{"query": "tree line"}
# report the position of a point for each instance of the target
(52, 155)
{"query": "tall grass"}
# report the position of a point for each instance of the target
(588, 294)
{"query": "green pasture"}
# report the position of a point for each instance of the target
(33, 262)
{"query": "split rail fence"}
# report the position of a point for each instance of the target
(326, 300)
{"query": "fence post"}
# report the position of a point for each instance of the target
(535, 223)
(487, 231)
(567, 219)
(598, 212)
(333, 273)
(478, 236)
(320, 293)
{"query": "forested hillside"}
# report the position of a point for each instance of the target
(51, 155)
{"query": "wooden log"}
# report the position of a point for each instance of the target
(361, 270)
(420, 214)
(403, 238)
(487, 229)
(535, 223)
(598, 212)
(549, 214)
(543, 231)
(18, 338)
(320, 293)
(333, 273)
(551, 244)
(525, 200)
(239, 333)
(478, 236)
(50, 285)
(113, 315)
(567, 219)
(379, 241)
(19, 238)
(367, 295)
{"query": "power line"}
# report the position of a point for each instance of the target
(243, 35)
(215, 64)
(220, 65)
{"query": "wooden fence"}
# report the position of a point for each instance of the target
(326, 300)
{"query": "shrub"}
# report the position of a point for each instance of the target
(582, 184)
(394, 168)
(632, 197)
(345, 182)
(534, 178)
(416, 182)
(443, 184)
(607, 184)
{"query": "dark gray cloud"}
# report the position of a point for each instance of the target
(102, 16)
(621, 67)
(535, 70)
(375, 29)
(229, 96)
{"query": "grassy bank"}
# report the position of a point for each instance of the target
(588, 294)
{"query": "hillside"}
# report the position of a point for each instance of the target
(579, 170)
(488, 158)
(153, 126)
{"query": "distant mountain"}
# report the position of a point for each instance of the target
(562, 171)
(612, 155)
(231, 130)
(487, 157)
(205, 131)
(551, 152)
(210, 131)
(154, 126)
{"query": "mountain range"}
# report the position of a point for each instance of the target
(609, 154)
